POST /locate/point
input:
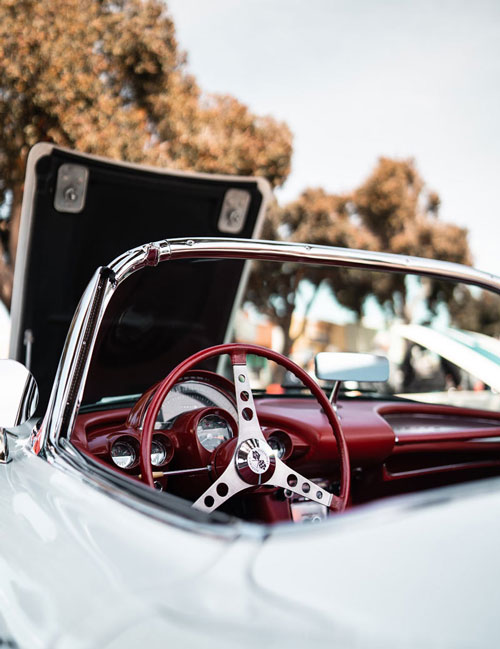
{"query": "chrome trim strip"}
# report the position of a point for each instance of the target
(283, 251)
(473, 465)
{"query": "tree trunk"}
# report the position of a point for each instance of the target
(15, 220)
(6, 278)
(10, 237)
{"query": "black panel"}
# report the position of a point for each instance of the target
(124, 208)
(157, 318)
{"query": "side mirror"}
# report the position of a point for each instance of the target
(18, 400)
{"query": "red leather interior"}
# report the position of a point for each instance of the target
(464, 445)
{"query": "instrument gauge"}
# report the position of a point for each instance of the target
(158, 453)
(123, 454)
(277, 445)
(212, 431)
(190, 395)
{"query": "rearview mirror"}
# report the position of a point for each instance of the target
(18, 400)
(346, 366)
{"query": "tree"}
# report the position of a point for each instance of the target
(479, 312)
(107, 77)
(391, 211)
(315, 217)
(396, 206)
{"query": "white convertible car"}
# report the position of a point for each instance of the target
(182, 481)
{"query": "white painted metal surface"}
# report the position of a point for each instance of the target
(79, 570)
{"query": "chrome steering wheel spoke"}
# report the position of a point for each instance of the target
(221, 490)
(248, 422)
(292, 480)
(241, 473)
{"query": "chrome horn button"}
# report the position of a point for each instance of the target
(255, 461)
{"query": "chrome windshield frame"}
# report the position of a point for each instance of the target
(71, 376)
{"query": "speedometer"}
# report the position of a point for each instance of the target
(212, 430)
(190, 395)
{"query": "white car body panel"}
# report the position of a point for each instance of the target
(412, 573)
(118, 577)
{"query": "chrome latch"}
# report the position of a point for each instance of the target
(234, 211)
(71, 188)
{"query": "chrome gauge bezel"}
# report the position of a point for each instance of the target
(221, 415)
(280, 443)
(132, 444)
(277, 445)
(168, 449)
(220, 387)
(158, 449)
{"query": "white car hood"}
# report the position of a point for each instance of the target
(80, 570)
(407, 574)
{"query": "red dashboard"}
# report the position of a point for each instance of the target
(394, 447)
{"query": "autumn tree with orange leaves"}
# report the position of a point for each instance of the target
(107, 77)
(392, 211)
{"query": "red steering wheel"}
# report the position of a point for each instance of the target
(253, 463)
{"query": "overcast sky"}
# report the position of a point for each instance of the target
(356, 79)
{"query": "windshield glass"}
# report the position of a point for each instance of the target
(441, 338)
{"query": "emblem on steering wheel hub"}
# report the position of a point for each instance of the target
(258, 460)
(255, 461)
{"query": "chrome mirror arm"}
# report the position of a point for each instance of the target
(334, 394)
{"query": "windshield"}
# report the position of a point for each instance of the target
(441, 339)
